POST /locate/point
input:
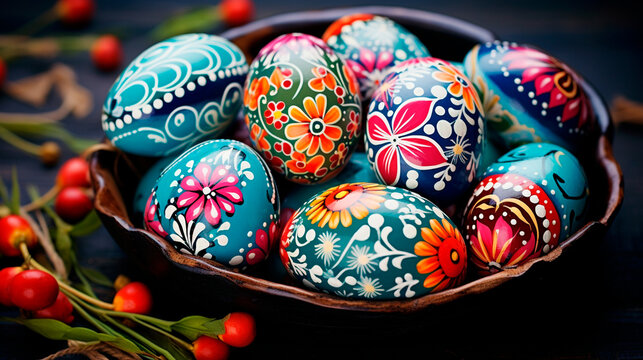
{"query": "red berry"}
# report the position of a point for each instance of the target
(60, 310)
(72, 204)
(6, 275)
(207, 348)
(74, 172)
(15, 229)
(107, 53)
(3, 72)
(240, 329)
(134, 297)
(33, 290)
(76, 12)
(237, 12)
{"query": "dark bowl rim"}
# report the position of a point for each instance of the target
(204, 267)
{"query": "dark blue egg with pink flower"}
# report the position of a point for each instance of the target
(530, 96)
(217, 200)
(425, 130)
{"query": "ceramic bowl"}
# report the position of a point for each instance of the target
(115, 175)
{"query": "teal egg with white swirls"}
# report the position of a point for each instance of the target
(174, 94)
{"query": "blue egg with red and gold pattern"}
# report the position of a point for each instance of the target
(528, 201)
(425, 130)
(530, 96)
(217, 200)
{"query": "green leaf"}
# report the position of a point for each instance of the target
(4, 193)
(194, 326)
(88, 225)
(56, 330)
(166, 343)
(197, 20)
(96, 276)
(63, 244)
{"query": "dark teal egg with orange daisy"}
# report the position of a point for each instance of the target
(302, 108)
(217, 200)
(530, 96)
(372, 241)
(425, 130)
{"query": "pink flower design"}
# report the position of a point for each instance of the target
(498, 247)
(275, 114)
(553, 77)
(264, 242)
(418, 151)
(210, 192)
(370, 69)
(151, 222)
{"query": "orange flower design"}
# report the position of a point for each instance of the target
(353, 85)
(340, 203)
(258, 135)
(281, 78)
(444, 256)
(323, 79)
(314, 129)
(299, 165)
(460, 85)
(257, 88)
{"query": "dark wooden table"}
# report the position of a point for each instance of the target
(587, 306)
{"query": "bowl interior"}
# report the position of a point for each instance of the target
(115, 176)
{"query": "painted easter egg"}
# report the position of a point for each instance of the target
(371, 45)
(179, 91)
(372, 241)
(528, 201)
(358, 169)
(217, 200)
(425, 130)
(302, 108)
(145, 186)
(530, 96)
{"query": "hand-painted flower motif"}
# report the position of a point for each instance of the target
(152, 222)
(493, 247)
(444, 255)
(337, 204)
(550, 76)
(258, 136)
(264, 244)
(353, 127)
(315, 128)
(258, 87)
(323, 79)
(420, 152)
(339, 157)
(280, 78)
(209, 192)
(370, 69)
(300, 165)
(459, 85)
(275, 115)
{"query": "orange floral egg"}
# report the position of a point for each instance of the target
(302, 107)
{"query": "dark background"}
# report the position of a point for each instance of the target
(590, 305)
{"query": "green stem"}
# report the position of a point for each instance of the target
(39, 22)
(138, 337)
(177, 340)
(19, 142)
(163, 324)
(92, 320)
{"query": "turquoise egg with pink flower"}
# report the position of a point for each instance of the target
(530, 96)
(217, 200)
(425, 130)
(371, 45)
